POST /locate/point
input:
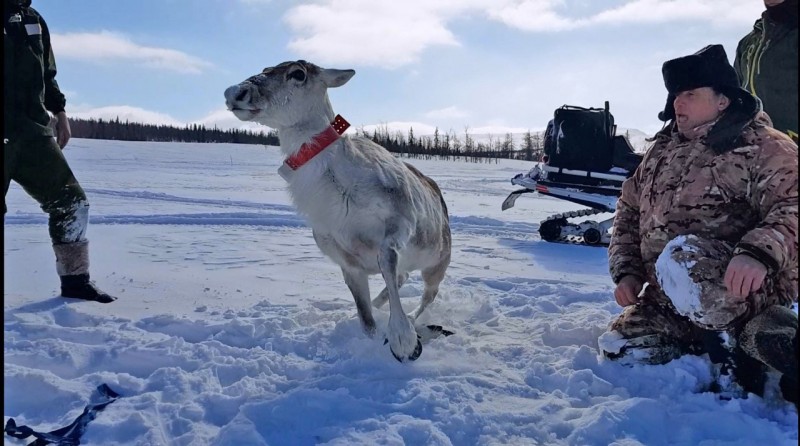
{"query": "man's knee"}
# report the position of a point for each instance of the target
(691, 273)
(69, 217)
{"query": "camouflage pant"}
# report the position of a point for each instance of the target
(690, 273)
(698, 309)
(656, 329)
(37, 164)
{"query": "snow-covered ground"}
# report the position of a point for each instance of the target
(232, 329)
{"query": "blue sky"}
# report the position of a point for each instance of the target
(489, 66)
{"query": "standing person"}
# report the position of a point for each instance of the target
(32, 157)
(766, 63)
(716, 196)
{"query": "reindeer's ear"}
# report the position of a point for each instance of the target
(336, 78)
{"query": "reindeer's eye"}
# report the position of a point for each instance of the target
(299, 75)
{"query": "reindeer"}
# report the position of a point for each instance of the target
(369, 212)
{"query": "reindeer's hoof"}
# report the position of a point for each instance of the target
(441, 330)
(427, 333)
(414, 355)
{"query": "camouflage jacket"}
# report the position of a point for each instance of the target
(746, 196)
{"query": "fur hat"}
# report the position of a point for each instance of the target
(16, 3)
(709, 67)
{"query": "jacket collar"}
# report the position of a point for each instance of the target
(700, 131)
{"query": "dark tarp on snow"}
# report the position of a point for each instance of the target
(68, 435)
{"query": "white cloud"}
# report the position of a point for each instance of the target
(390, 34)
(111, 46)
(69, 94)
(124, 113)
(718, 12)
(225, 120)
(544, 15)
(532, 15)
(451, 112)
(222, 118)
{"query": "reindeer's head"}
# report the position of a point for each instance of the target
(286, 95)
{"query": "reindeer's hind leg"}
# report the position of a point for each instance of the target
(432, 277)
(358, 283)
(383, 296)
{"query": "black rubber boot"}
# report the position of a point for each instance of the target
(788, 384)
(737, 371)
(788, 387)
(80, 287)
(653, 349)
(771, 338)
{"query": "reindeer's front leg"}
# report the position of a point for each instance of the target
(402, 336)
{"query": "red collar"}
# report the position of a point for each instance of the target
(318, 143)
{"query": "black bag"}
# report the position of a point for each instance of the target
(583, 139)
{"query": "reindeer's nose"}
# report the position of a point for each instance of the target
(237, 94)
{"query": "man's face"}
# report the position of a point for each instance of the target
(697, 107)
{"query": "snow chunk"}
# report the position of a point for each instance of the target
(611, 342)
(673, 276)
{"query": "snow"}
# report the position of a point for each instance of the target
(232, 329)
(611, 341)
(674, 277)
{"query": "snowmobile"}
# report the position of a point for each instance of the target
(584, 162)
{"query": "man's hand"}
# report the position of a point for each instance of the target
(63, 132)
(743, 276)
(628, 289)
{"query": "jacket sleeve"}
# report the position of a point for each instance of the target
(774, 193)
(54, 100)
(624, 250)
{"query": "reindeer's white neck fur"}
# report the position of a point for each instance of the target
(292, 137)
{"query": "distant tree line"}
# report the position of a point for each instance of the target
(446, 145)
(133, 131)
(449, 145)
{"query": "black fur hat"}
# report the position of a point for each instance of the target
(708, 67)
(16, 3)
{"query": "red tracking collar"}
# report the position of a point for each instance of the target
(318, 143)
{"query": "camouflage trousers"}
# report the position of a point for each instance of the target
(689, 308)
(690, 277)
(654, 333)
(37, 164)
